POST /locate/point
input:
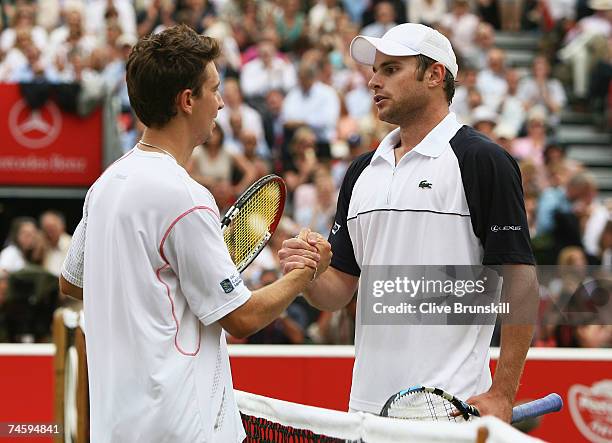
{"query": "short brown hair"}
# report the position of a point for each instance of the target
(449, 81)
(161, 66)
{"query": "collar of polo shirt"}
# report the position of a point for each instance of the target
(433, 145)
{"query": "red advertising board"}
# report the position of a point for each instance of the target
(321, 376)
(47, 147)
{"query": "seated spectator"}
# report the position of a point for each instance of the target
(249, 118)
(511, 14)
(73, 34)
(289, 327)
(461, 105)
(512, 111)
(53, 226)
(322, 18)
(266, 72)
(605, 247)
(213, 166)
(586, 44)
(314, 204)
(291, 25)
(541, 89)
(491, 82)
(358, 99)
(384, 19)
(314, 104)
(532, 145)
(484, 120)
(249, 148)
(303, 161)
(462, 25)
(98, 11)
(426, 12)
(484, 41)
(23, 19)
(335, 328)
(21, 243)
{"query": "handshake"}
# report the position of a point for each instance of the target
(307, 250)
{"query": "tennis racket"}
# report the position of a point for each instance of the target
(250, 222)
(434, 404)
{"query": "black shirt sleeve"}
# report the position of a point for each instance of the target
(339, 238)
(493, 189)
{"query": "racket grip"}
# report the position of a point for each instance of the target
(541, 406)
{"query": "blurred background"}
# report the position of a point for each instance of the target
(534, 75)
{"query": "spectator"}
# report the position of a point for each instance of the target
(532, 145)
(335, 328)
(484, 120)
(466, 83)
(21, 244)
(426, 12)
(53, 226)
(266, 72)
(315, 204)
(99, 11)
(605, 248)
(249, 117)
(540, 89)
(484, 41)
(322, 18)
(291, 25)
(72, 35)
(511, 13)
(314, 104)
(512, 111)
(586, 44)
(273, 127)
(303, 158)
(491, 82)
(24, 19)
(214, 166)
(359, 99)
(462, 25)
(248, 139)
(384, 20)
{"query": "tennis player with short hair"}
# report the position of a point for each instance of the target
(433, 193)
(149, 260)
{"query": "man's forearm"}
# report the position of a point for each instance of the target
(515, 341)
(520, 289)
(332, 290)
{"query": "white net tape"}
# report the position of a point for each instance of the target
(369, 428)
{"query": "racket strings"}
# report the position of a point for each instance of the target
(423, 406)
(251, 226)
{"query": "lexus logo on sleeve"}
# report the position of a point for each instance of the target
(35, 128)
(496, 228)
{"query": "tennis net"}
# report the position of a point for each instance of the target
(268, 420)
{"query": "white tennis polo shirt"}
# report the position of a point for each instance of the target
(438, 206)
(157, 276)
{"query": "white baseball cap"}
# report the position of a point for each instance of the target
(406, 39)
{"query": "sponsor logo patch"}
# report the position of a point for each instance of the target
(230, 283)
(497, 228)
(336, 228)
(591, 410)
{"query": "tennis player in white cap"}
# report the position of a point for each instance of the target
(433, 193)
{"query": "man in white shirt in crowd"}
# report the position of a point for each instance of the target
(266, 72)
(491, 82)
(53, 225)
(237, 109)
(385, 19)
(314, 104)
(149, 261)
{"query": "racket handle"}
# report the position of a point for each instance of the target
(541, 406)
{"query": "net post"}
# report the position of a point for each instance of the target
(60, 333)
(82, 388)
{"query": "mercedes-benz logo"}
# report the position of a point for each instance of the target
(35, 128)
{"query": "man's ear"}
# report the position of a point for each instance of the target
(184, 101)
(437, 72)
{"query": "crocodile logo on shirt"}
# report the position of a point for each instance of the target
(424, 184)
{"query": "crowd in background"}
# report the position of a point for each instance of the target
(297, 105)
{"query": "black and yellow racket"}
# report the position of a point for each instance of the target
(250, 222)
